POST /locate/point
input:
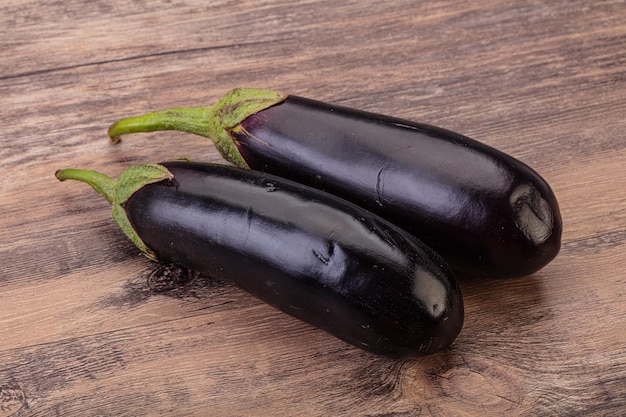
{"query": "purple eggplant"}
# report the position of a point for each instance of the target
(485, 212)
(310, 254)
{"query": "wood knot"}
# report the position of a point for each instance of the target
(12, 400)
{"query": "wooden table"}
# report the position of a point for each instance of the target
(84, 334)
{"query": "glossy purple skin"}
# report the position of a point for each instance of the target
(486, 213)
(310, 254)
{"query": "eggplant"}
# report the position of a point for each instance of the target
(485, 212)
(310, 254)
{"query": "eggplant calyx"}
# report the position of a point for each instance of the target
(214, 122)
(117, 192)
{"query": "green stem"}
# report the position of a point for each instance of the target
(103, 184)
(214, 122)
(117, 192)
(186, 119)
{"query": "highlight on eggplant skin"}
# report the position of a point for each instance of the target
(312, 255)
(487, 213)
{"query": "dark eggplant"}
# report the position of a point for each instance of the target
(485, 212)
(310, 254)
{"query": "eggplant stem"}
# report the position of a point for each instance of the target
(118, 191)
(185, 119)
(100, 182)
(214, 122)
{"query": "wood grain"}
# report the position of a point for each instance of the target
(85, 334)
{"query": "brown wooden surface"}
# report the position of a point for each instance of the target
(82, 334)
